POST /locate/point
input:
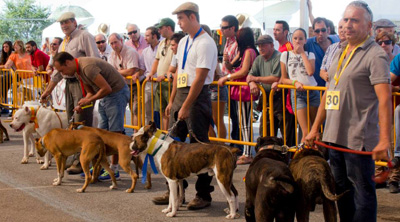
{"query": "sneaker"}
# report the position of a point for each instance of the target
(162, 200)
(198, 203)
(393, 187)
(91, 172)
(106, 176)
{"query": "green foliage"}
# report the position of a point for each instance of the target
(24, 20)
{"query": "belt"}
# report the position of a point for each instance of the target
(71, 79)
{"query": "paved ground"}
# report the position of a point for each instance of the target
(26, 194)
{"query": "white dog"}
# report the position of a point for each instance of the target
(34, 118)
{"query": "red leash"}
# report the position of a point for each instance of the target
(380, 178)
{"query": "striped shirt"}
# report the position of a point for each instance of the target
(329, 55)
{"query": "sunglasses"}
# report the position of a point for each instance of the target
(102, 41)
(132, 32)
(226, 27)
(387, 42)
(320, 30)
(54, 44)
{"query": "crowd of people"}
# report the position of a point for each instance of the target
(353, 64)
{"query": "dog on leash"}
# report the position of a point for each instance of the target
(270, 187)
(117, 143)
(63, 143)
(3, 130)
(34, 118)
(316, 184)
(178, 161)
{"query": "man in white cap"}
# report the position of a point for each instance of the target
(197, 61)
(79, 43)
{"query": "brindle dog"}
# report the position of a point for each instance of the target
(270, 187)
(3, 130)
(316, 184)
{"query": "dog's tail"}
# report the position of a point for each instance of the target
(102, 152)
(285, 183)
(328, 188)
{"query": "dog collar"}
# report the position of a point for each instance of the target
(284, 149)
(33, 117)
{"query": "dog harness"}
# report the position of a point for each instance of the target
(158, 142)
(33, 116)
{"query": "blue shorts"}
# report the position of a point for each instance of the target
(301, 99)
(112, 110)
(223, 93)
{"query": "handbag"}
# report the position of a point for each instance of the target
(236, 91)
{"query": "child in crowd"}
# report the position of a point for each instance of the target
(297, 70)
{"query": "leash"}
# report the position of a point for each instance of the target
(72, 120)
(380, 178)
(191, 133)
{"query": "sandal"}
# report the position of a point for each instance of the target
(244, 160)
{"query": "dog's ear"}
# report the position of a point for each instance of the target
(27, 109)
(37, 139)
(260, 141)
(153, 127)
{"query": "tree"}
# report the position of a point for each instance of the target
(24, 20)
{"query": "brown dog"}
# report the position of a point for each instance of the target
(270, 187)
(3, 130)
(178, 161)
(316, 184)
(117, 143)
(63, 143)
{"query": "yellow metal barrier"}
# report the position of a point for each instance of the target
(6, 83)
(139, 99)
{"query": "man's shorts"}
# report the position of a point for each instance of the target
(164, 96)
(301, 99)
(112, 110)
(223, 93)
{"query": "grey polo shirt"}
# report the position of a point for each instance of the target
(80, 44)
(355, 124)
(264, 68)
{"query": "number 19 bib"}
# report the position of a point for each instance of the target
(182, 80)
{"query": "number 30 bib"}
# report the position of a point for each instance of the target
(332, 100)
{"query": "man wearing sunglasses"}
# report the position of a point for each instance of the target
(104, 49)
(136, 40)
(54, 45)
(319, 44)
(385, 25)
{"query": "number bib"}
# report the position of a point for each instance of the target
(182, 80)
(332, 100)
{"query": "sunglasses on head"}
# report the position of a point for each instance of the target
(387, 42)
(132, 32)
(102, 41)
(226, 27)
(320, 30)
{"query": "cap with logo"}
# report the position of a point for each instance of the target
(166, 22)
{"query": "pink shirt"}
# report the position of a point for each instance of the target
(142, 44)
(230, 49)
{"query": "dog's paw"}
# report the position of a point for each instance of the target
(148, 186)
(31, 154)
(129, 190)
(80, 190)
(113, 187)
(171, 214)
(24, 160)
(56, 183)
(233, 216)
(166, 210)
(44, 167)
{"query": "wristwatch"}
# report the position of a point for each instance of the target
(228, 77)
(166, 76)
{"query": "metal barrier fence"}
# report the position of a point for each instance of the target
(22, 85)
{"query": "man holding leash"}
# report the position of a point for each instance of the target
(359, 87)
(197, 61)
(101, 81)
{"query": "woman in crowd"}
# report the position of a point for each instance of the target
(386, 41)
(5, 77)
(246, 56)
(297, 69)
(20, 59)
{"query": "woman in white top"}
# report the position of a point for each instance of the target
(297, 69)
